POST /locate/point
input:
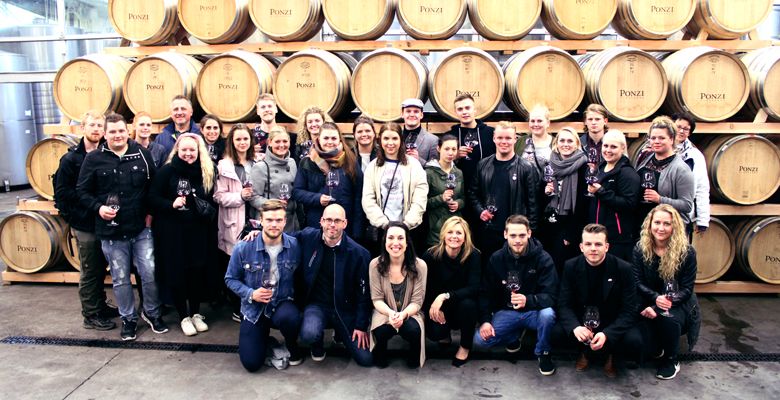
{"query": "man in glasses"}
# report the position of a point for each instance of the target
(333, 287)
(695, 160)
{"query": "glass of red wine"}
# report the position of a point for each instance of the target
(549, 176)
(591, 319)
(112, 201)
(471, 140)
(450, 184)
(284, 192)
(268, 280)
(671, 291)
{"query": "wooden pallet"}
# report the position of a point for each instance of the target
(736, 287)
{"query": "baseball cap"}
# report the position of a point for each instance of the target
(412, 102)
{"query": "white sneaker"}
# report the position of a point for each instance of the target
(200, 326)
(187, 327)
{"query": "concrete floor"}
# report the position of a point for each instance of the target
(731, 324)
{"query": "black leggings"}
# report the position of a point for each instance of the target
(460, 315)
(410, 331)
(188, 291)
(666, 332)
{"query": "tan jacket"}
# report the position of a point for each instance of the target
(381, 290)
(415, 185)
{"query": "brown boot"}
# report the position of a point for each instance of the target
(582, 363)
(609, 368)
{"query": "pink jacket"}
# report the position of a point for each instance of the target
(231, 205)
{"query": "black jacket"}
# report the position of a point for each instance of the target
(486, 148)
(618, 306)
(104, 172)
(538, 280)
(352, 294)
(615, 204)
(523, 184)
(446, 275)
(66, 199)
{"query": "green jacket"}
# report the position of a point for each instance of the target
(437, 209)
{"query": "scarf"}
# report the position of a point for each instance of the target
(327, 160)
(565, 171)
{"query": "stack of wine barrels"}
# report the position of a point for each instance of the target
(32, 241)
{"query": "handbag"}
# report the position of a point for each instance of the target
(203, 208)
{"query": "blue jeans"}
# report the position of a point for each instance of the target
(508, 325)
(316, 318)
(121, 255)
(253, 337)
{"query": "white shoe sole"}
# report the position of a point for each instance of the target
(151, 326)
(666, 378)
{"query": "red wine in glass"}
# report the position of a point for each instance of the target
(284, 192)
(470, 141)
(112, 201)
(591, 319)
(671, 291)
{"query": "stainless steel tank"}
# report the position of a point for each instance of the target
(17, 123)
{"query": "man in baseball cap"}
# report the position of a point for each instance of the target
(418, 142)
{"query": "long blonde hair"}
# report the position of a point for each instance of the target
(303, 133)
(206, 165)
(438, 250)
(676, 248)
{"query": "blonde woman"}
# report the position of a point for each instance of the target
(273, 177)
(182, 248)
(665, 271)
(309, 125)
(454, 271)
(536, 148)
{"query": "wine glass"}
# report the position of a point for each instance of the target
(593, 156)
(410, 146)
(306, 148)
(591, 319)
(450, 184)
(671, 291)
(470, 141)
(268, 280)
(183, 189)
(549, 176)
(512, 284)
(648, 182)
(284, 192)
(331, 182)
(112, 201)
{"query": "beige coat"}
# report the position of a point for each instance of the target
(415, 185)
(381, 290)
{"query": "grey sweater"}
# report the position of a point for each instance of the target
(676, 186)
(280, 171)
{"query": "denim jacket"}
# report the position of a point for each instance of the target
(245, 272)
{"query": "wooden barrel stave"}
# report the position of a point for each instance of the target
(466, 69)
(359, 19)
(652, 19)
(715, 251)
(230, 84)
(42, 162)
(216, 21)
(31, 241)
(383, 79)
(431, 19)
(728, 19)
(154, 80)
(576, 19)
(743, 169)
(763, 65)
(504, 19)
(543, 75)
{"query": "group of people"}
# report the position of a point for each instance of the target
(307, 232)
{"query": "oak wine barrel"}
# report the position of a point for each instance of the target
(710, 84)
(715, 251)
(383, 79)
(70, 250)
(577, 19)
(630, 83)
(728, 19)
(216, 21)
(288, 21)
(155, 79)
(42, 162)
(431, 19)
(636, 145)
(743, 169)
(359, 19)
(504, 19)
(31, 241)
(543, 75)
(466, 70)
(91, 82)
(313, 78)
(229, 84)
(763, 65)
(146, 22)
(758, 248)
(652, 19)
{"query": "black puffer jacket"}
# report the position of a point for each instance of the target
(615, 203)
(523, 181)
(66, 199)
(104, 172)
(538, 279)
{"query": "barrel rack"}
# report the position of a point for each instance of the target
(759, 126)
